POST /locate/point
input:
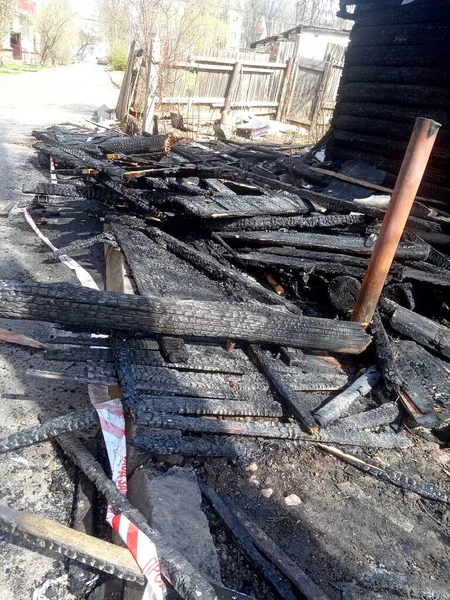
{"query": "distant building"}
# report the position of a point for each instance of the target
(310, 42)
(21, 42)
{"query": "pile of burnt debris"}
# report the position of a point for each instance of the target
(233, 338)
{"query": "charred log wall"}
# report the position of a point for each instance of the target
(396, 69)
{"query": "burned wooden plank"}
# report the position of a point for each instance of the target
(245, 543)
(123, 360)
(425, 379)
(164, 444)
(384, 352)
(218, 271)
(424, 331)
(173, 350)
(305, 586)
(263, 261)
(82, 307)
(41, 433)
(158, 272)
(135, 145)
(406, 584)
(239, 206)
(343, 292)
(352, 244)
(270, 429)
(275, 223)
(387, 413)
(401, 480)
(282, 386)
(185, 405)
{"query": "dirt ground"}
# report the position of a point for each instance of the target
(346, 522)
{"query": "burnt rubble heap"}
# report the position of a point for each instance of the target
(233, 338)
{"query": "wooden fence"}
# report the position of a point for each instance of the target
(203, 88)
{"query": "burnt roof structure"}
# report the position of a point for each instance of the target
(396, 69)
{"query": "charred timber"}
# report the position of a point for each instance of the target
(422, 488)
(41, 433)
(351, 244)
(245, 543)
(134, 145)
(81, 307)
(296, 222)
(419, 328)
(183, 405)
(291, 398)
(270, 429)
(215, 269)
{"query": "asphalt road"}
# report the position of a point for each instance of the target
(35, 479)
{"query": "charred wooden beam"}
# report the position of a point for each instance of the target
(424, 331)
(70, 305)
(135, 145)
(215, 269)
(41, 433)
(275, 223)
(304, 584)
(337, 204)
(164, 444)
(173, 350)
(270, 429)
(382, 415)
(351, 244)
(401, 480)
(124, 361)
(291, 398)
(343, 292)
(188, 582)
(245, 543)
(184, 405)
(385, 353)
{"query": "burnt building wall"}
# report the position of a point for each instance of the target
(397, 68)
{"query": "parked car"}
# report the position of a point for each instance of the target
(102, 60)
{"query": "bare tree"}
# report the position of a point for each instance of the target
(7, 11)
(56, 28)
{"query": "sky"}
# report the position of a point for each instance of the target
(88, 8)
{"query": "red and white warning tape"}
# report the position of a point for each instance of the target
(112, 422)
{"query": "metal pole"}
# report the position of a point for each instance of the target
(408, 182)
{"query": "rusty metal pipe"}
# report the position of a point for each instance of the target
(408, 182)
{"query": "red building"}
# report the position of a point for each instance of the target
(20, 43)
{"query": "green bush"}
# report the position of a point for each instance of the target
(117, 59)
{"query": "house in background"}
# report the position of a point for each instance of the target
(315, 58)
(20, 43)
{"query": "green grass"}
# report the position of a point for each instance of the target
(16, 68)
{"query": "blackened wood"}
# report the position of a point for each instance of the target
(188, 582)
(351, 244)
(239, 206)
(164, 444)
(382, 415)
(136, 144)
(337, 204)
(401, 480)
(123, 359)
(173, 350)
(317, 256)
(305, 586)
(425, 379)
(82, 307)
(258, 223)
(58, 426)
(405, 584)
(419, 328)
(291, 398)
(218, 271)
(245, 543)
(414, 56)
(343, 292)
(270, 429)
(385, 353)
(184, 405)
(158, 272)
